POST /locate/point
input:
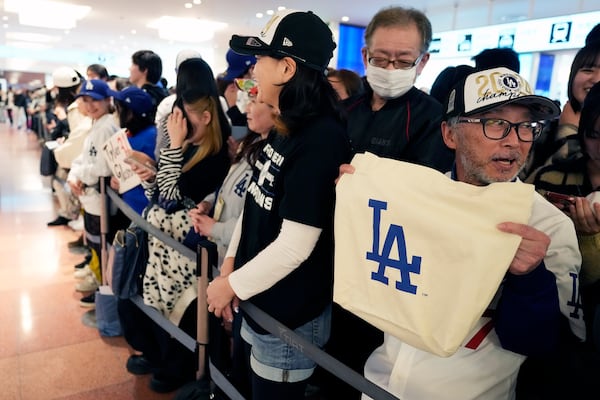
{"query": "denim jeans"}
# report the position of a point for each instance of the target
(273, 359)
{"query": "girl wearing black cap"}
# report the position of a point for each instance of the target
(280, 257)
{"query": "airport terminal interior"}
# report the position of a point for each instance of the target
(47, 349)
(50, 348)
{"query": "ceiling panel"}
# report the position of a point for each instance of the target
(106, 36)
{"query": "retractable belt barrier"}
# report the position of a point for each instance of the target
(311, 351)
(273, 326)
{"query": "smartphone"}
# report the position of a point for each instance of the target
(133, 160)
(179, 104)
(239, 132)
(559, 198)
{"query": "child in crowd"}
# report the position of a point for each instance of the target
(134, 107)
(88, 168)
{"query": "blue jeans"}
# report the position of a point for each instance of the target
(274, 360)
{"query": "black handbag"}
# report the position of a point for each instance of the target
(128, 264)
(48, 163)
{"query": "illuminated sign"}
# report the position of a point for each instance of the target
(548, 34)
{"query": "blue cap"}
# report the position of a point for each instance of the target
(95, 88)
(134, 98)
(238, 64)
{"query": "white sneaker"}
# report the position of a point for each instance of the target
(82, 272)
(88, 284)
(77, 224)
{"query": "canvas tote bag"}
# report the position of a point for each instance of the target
(417, 254)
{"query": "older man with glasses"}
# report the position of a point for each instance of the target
(391, 118)
(492, 118)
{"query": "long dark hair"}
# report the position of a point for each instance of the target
(195, 76)
(306, 96)
(586, 57)
(590, 113)
(212, 141)
(132, 122)
(249, 148)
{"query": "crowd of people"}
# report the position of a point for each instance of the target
(250, 158)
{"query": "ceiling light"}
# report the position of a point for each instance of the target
(345, 19)
(188, 5)
(280, 8)
(197, 2)
(32, 37)
(186, 29)
(28, 45)
(259, 15)
(47, 14)
(270, 12)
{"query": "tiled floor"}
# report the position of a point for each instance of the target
(46, 352)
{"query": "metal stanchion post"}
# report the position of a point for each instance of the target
(203, 264)
(103, 229)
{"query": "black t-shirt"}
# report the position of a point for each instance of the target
(206, 176)
(294, 179)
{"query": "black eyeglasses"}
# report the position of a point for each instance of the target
(383, 62)
(497, 128)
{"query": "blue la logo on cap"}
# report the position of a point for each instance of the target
(96, 89)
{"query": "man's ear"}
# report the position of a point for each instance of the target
(364, 54)
(449, 135)
(422, 63)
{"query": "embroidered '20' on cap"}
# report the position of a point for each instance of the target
(291, 33)
(485, 90)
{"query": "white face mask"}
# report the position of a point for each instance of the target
(391, 83)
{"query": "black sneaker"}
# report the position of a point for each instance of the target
(139, 365)
(83, 263)
(88, 301)
(59, 221)
(164, 384)
(77, 243)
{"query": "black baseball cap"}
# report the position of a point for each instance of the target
(291, 33)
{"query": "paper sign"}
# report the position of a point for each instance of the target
(51, 144)
(115, 152)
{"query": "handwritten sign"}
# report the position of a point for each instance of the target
(115, 151)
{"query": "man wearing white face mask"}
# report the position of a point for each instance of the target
(392, 119)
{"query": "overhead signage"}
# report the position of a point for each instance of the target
(548, 34)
